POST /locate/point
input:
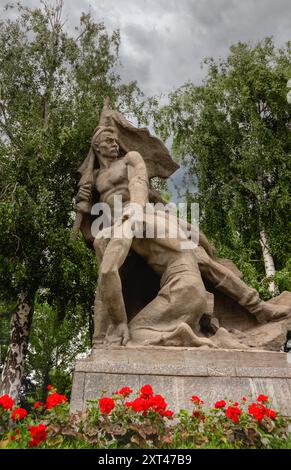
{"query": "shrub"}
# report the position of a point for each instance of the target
(145, 421)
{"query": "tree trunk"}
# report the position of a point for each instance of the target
(269, 263)
(12, 373)
(45, 383)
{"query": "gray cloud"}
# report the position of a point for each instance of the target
(165, 41)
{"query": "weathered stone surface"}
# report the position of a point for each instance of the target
(271, 336)
(78, 400)
(179, 373)
(263, 372)
(278, 389)
(98, 384)
(173, 305)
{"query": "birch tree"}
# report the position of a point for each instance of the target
(52, 86)
(232, 134)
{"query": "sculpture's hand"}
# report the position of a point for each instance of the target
(104, 234)
(84, 193)
(133, 212)
(117, 335)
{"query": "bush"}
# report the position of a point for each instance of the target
(142, 422)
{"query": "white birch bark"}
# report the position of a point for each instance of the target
(268, 263)
(12, 373)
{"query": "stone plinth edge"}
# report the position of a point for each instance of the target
(178, 373)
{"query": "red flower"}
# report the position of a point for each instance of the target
(37, 434)
(146, 391)
(233, 413)
(158, 403)
(18, 414)
(50, 387)
(167, 413)
(244, 398)
(125, 391)
(220, 404)
(55, 399)
(271, 413)
(106, 405)
(139, 404)
(145, 402)
(257, 410)
(263, 398)
(6, 402)
(197, 400)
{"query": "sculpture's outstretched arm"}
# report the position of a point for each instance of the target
(110, 286)
(137, 178)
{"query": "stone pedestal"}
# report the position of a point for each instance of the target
(179, 373)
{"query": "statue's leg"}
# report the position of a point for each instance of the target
(230, 284)
(110, 288)
(172, 317)
(101, 320)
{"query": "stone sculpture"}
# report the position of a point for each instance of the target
(151, 291)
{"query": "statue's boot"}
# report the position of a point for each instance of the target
(249, 298)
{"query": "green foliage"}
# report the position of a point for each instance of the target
(52, 87)
(224, 425)
(232, 133)
(283, 277)
(5, 314)
(52, 91)
(53, 347)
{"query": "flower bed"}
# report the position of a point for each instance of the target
(143, 421)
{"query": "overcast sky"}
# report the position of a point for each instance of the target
(164, 41)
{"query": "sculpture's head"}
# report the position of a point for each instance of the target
(105, 143)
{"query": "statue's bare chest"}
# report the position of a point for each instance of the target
(113, 176)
